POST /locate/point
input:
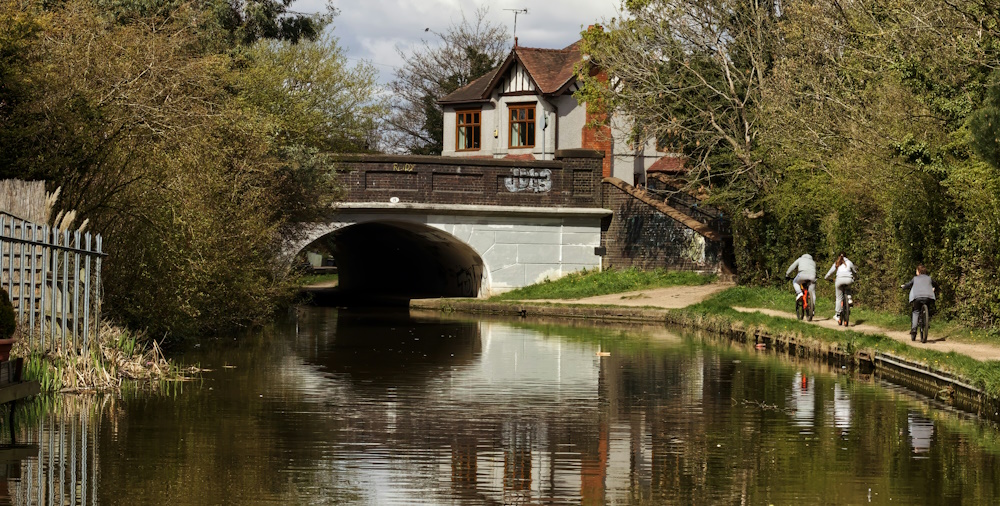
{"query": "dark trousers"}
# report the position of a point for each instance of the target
(915, 305)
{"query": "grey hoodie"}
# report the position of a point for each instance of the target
(806, 266)
(921, 287)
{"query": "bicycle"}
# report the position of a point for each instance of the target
(923, 322)
(848, 301)
(802, 306)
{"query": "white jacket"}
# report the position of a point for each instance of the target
(845, 273)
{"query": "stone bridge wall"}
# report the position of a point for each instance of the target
(573, 179)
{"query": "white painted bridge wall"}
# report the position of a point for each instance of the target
(516, 251)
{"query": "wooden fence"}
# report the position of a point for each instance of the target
(53, 278)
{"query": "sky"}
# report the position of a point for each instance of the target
(372, 30)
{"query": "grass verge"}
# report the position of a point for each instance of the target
(784, 300)
(591, 283)
(318, 279)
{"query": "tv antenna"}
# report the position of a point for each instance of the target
(516, 12)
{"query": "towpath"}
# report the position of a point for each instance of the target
(682, 296)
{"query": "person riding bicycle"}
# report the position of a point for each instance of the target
(922, 289)
(845, 270)
(807, 272)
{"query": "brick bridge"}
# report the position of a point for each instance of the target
(427, 226)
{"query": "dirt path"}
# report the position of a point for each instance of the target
(671, 297)
(976, 351)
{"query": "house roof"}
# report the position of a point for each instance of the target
(552, 70)
(476, 91)
(669, 164)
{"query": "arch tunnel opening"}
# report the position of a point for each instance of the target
(389, 262)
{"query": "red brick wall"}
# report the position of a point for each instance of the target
(598, 138)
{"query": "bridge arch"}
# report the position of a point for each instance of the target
(403, 259)
(500, 247)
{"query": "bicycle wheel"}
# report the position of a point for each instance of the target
(811, 311)
(925, 317)
(799, 311)
(845, 317)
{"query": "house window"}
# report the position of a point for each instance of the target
(522, 126)
(467, 131)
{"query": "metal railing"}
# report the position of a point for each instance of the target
(53, 278)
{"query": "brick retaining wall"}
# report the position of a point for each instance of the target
(644, 235)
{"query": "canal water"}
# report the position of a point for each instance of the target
(376, 408)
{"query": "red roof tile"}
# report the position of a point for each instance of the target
(673, 164)
(551, 70)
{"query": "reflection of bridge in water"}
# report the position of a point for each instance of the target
(611, 423)
(470, 412)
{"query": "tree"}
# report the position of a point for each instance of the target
(193, 160)
(689, 73)
(227, 22)
(466, 51)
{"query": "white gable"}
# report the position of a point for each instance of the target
(517, 80)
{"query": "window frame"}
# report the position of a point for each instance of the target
(532, 107)
(476, 127)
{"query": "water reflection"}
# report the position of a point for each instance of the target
(378, 350)
(921, 431)
(362, 408)
(60, 464)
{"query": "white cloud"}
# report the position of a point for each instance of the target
(372, 29)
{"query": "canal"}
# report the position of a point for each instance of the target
(377, 408)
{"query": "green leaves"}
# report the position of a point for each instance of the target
(190, 143)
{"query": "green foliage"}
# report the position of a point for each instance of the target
(244, 22)
(45, 372)
(194, 136)
(985, 125)
(689, 74)
(589, 283)
(872, 134)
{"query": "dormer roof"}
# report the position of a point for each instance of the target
(550, 70)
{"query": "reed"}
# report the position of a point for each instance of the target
(120, 359)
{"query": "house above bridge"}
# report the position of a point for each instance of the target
(525, 109)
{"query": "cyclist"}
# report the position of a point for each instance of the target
(845, 270)
(922, 289)
(807, 272)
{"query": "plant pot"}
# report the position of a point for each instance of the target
(5, 346)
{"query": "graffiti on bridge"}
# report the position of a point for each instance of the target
(468, 280)
(529, 180)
